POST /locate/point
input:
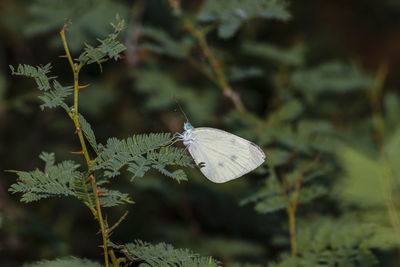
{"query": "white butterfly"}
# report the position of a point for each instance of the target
(221, 156)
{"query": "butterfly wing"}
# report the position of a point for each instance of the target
(223, 156)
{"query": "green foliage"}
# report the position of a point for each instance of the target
(38, 73)
(160, 42)
(54, 180)
(241, 73)
(330, 77)
(231, 14)
(89, 19)
(109, 48)
(111, 198)
(140, 153)
(366, 175)
(293, 56)
(298, 107)
(89, 134)
(162, 91)
(332, 243)
(66, 262)
(276, 195)
(164, 254)
(62, 179)
(54, 94)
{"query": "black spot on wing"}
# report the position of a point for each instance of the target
(233, 157)
(220, 164)
(201, 165)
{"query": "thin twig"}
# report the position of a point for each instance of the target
(292, 206)
(75, 117)
(379, 132)
(221, 79)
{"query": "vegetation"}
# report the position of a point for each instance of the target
(325, 196)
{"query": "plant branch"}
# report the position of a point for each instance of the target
(74, 116)
(292, 206)
(222, 80)
(379, 131)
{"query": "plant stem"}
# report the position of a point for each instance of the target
(291, 211)
(379, 131)
(222, 81)
(75, 117)
(292, 206)
(100, 219)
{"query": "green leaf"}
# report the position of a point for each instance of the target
(111, 198)
(293, 56)
(241, 73)
(89, 134)
(362, 183)
(278, 156)
(231, 14)
(331, 77)
(269, 198)
(39, 74)
(162, 43)
(138, 167)
(139, 153)
(327, 242)
(56, 180)
(109, 48)
(65, 262)
(90, 20)
(287, 112)
(55, 97)
(160, 88)
(164, 255)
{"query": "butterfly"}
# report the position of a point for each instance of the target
(221, 156)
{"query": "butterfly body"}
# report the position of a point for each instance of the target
(222, 156)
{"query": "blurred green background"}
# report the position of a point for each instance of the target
(316, 78)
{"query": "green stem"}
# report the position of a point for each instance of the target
(293, 203)
(75, 117)
(379, 131)
(222, 81)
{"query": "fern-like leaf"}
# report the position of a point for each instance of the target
(332, 243)
(162, 43)
(111, 198)
(54, 180)
(54, 93)
(231, 14)
(164, 254)
(109, 48)
(37, 73)
(70, 261)
(56, 96)
(88, 132)
(275, 196)
(140, 153)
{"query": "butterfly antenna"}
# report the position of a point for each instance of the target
(184, 114)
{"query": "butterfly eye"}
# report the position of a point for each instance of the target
(188, 126)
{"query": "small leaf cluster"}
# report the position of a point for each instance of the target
(163, 254)
(54, 93)
(333, 243)
(140, 153)
(63, 179)
(231, 14)
(64, 262)
(109, 48)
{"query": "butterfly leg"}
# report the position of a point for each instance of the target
(175, 138)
